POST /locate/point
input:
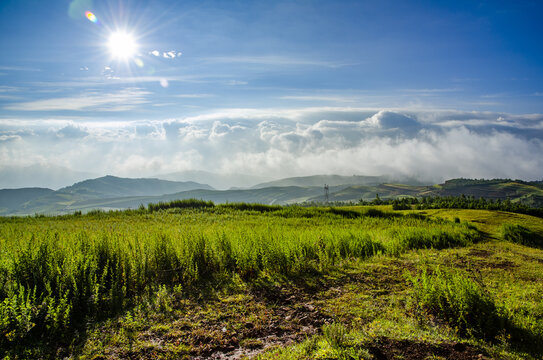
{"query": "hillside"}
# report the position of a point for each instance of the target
(111, 192)
(112, 186)
(528, 193)
(290, 283)
(272, 195)
(217, 181)
(320, 180)
(11, 199)
(98, 190)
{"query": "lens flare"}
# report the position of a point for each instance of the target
(91, 17)
(139, 62)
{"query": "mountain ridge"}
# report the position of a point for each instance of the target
(110, 192)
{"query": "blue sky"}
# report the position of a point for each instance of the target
(274, 87)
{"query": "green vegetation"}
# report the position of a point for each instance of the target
(521, 235)
(460, 300)
(455, 202)
(200, 278)
(112, 193)
(179, 204)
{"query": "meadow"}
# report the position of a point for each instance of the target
(99, 284)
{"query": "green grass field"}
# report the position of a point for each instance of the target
(235, 281)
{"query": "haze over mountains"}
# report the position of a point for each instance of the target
(112, 193)
(40, 175)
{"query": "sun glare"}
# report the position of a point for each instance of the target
(122, 45)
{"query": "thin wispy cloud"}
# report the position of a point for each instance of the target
(9, 137)
(430, 91)
(339, 99)
(126, 99)
(18, 68)
(111, 78)
(193, 96)
(273, 61)
(236, 82)
(8, 89)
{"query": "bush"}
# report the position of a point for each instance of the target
(346, 213)
(401, 205)
(521, 235)
(181, 204)
(251, 207)
(335, 334)
(373, 212)
(459, 300)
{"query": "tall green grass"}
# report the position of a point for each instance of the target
(468, 306)
(521, 235)
(57, 273)
(461, 301)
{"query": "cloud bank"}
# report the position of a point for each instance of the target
(431, 145)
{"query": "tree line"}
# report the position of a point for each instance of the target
(455, 202)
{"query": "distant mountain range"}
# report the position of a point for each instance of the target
(335, 180)
(88, 194)
(110, 192)
(217, 181)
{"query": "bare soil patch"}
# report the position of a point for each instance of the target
(387, 348)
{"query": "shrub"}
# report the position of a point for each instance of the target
(252, 207)
(373, 212)
(521, 235)
(335, 334)
(181, 204)
(459, 300)
(349, 214)
(400, 205)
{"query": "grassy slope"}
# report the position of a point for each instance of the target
(63, 203)
(361, 309)
(529, 193)
(117, 193)
(375, 312)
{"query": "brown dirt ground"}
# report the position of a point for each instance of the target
(386, 348)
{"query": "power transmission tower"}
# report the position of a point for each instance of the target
(326, 193)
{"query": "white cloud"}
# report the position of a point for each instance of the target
(172, 54)
(9, 137)
(431, 145)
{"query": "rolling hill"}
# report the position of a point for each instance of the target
(320, 180)
(100, 190)
(111, 192)
(112, 186)
(11, 199)
(528, 193)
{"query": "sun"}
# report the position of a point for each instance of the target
(122, 45)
